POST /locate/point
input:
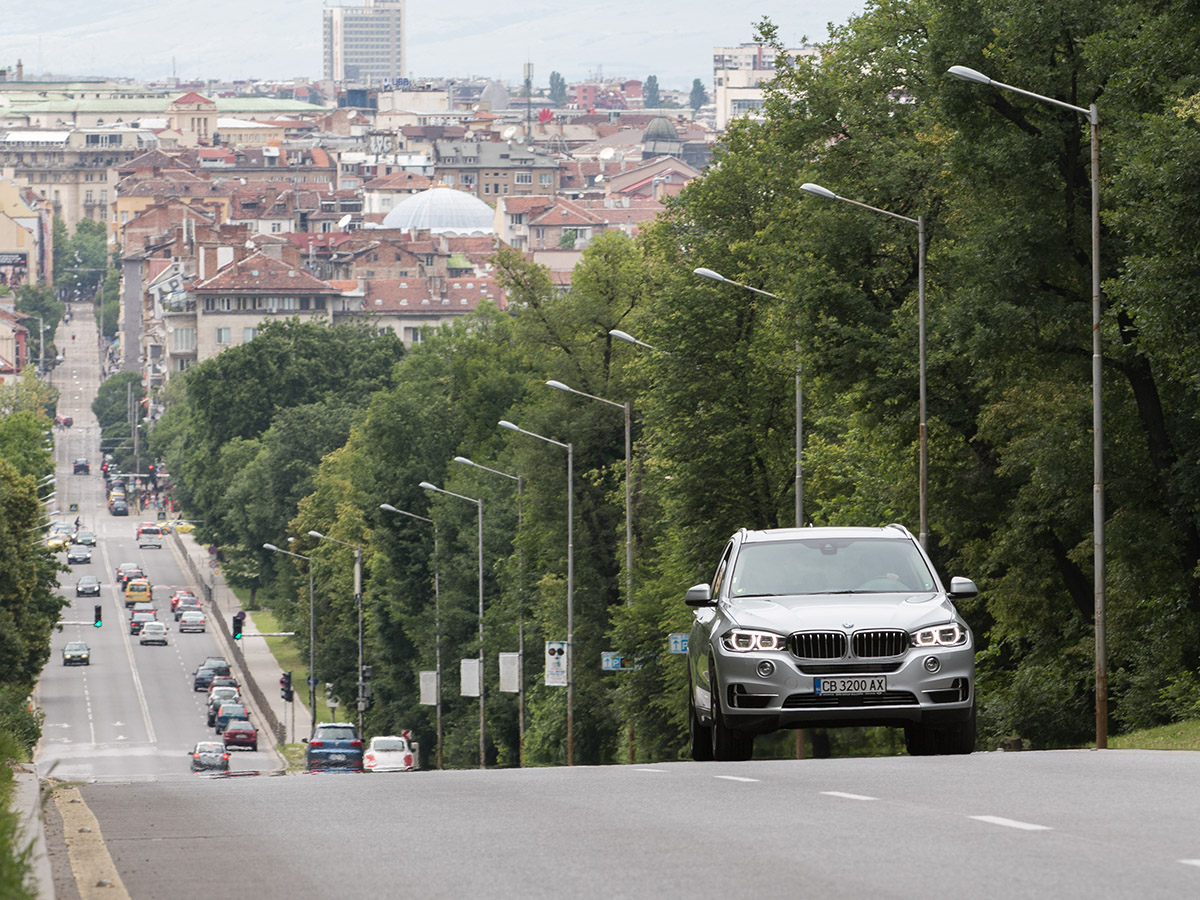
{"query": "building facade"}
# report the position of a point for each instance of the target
(738, 75)
(365, 44)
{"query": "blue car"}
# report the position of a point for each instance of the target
(334, 747)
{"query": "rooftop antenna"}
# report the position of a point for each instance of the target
(529, 98)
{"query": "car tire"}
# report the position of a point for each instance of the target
(254, 748)
(699, 736)
(728, 744)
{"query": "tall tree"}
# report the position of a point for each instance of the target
(651, 99)
(699, 95)
(558, 89)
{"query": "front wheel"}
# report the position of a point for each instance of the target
(728, 745)
(699, 736)
(941, 740)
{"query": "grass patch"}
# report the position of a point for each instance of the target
(1176, 736)
(293, 755)
(292, 659)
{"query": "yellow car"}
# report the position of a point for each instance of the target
(138, 590)
(183, 527)
(58, 541)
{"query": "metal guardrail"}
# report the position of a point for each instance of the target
(278, 729)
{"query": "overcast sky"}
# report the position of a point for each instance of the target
(280, 39)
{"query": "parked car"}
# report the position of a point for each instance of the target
(192, 621)
(390, 753)
(209, 756)
(186, 604)
(78, 554)
(84, 536)
(827, 627)
(333, 746)
(138, 621)
(81, 467)
(203, 676)
(77, 653)
(87, 586)
(229, 710)
(223, 681)
(240, 733)
(153, 633)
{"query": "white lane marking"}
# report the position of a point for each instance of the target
(735, 778)
(133, 671)
(1011, 823)
(846, 796)
(1190, 862)
(655, 771)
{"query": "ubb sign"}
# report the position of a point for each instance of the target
(556, 663)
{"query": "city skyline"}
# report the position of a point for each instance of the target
(154, 41)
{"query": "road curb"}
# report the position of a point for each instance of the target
(27, 801)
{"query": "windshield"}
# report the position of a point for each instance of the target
(826, 566)
(336, 733)
(389, 744)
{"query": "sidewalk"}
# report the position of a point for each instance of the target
(259, 670)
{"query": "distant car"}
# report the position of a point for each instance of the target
(138, 590)
(144, 608)
(187, 604)
(391, 753)
(219, 696)
(79, 553)
(153, 633)
(209, 756)
(85, 537)
(118, 508)
(334, 746)
(149, 536)
(127, 571)
(229, 711)
(87, 586)
(203, 676)
(178, 596)
(82, 467)
(193, 621)
(57, 541)
(138, 621)
(240, 733)
(184, 527)
(77, 653)
(221, 681)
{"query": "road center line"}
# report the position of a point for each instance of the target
(846, 796)
(655, 771)
(1011, 823)
(1190, 862)
(735, 778)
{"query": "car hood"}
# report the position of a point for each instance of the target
(842, 612)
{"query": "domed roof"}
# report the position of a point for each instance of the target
(442, 211)
(660, 129)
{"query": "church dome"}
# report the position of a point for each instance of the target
(660, 129)
(442, 211)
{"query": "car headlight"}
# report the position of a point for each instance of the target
(949, 635)
(742, 640)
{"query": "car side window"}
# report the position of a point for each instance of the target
(722, 569)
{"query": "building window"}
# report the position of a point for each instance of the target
(524, 178)
(412, 335)
(183, 339)
(545, 179)
(249, 334)
(223, 337)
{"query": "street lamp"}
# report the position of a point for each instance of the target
(362, 700)
(716, 276)
(1093, 116)
(462, 460)
(629, 338)
(922, 432)
(312, 634)
(627, 407)
(570, 448)
(437, 620)
(479, 506)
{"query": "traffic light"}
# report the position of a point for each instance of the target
(285, 686)
(239, 619)
(152, 473)
(96, 610)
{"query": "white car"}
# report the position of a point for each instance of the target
(192, 620)
(390, 753)
(153, 633)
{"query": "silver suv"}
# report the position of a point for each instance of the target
(828, 627)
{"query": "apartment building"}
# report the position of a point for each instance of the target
(494, 169)
(738, 76)
(365, 43)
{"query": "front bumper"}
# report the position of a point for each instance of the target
(787, 698)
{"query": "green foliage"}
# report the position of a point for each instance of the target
(37, 302)
(699, 95)
(651, 98)
(558, 89)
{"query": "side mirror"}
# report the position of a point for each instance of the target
(698, 595)
(961, 588)
(304, 740)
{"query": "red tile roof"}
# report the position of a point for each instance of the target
(263, 274)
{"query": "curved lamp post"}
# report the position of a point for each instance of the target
(312, 632)
(570, 448)
(479, 507)
(1092, 113)
(716, 276)
(358, 606)
(923, 453)
(437, 620)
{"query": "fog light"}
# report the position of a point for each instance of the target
(766, 669)
(932, 664)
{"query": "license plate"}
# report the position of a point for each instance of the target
(337, 757)
(853, 685)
